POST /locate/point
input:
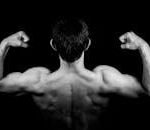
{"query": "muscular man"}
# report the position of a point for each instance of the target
(73, 94)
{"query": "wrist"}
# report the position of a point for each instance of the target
(4, 43)
(143, 45)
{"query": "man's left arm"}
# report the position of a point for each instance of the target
(133, 42)
(124, 84)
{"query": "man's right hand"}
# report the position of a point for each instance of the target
(18, 39)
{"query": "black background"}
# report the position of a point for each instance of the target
(107, 21)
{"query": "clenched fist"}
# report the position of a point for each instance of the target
(131, 41)
(18, 39)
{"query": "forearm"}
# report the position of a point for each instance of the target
(3, 51)
(145, 54)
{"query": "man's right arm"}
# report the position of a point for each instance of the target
(20, 82)
(15, 40)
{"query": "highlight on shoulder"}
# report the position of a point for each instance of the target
(104, 67)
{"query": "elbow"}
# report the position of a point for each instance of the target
(146, 86)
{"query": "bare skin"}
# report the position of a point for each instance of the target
(72, 94)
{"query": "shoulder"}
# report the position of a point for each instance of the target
(32, 75)
(30, 72)
(116, 81)
(111, 75)
(106, 69)
(107, 72)
(36, 71)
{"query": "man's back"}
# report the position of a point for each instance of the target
(72, 97)
(75, 99)
(78, 98)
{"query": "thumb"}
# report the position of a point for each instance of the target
(24, 45)
(125, 46)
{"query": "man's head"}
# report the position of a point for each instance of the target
(70, 39)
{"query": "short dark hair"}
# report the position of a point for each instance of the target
(70, 38)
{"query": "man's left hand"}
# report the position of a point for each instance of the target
(131, 41)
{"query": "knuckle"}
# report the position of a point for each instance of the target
(21, 32)
(129, 33)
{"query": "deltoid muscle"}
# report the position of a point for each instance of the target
(77, 107)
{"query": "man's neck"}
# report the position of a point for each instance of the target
(75, 66)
